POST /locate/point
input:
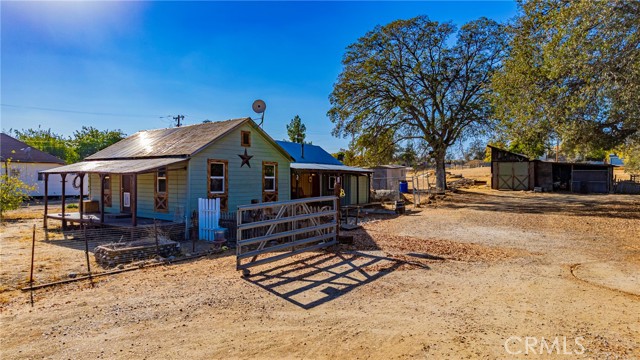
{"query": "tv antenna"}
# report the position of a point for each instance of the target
(259, 107)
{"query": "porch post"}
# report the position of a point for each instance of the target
(187, 205)
(81, 203)
(134, 201)
(357, 190)
(63, 180)
(102, 176)
(46, 199)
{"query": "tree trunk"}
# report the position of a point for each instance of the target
(441, 178)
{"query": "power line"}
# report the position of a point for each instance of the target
(78, 112)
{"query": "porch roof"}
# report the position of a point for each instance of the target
(328, 167)
(130, 166)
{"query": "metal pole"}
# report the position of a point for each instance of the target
(33, 251)
(86, 249)
(46, 199)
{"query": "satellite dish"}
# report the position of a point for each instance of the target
(259, 106)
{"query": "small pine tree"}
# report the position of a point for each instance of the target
(296, 130)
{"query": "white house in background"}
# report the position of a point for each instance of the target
(25, 163)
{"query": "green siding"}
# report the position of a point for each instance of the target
(176, 178)
(94, 192)
(245, 183)
(364, 189)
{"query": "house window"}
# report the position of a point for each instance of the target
(106, 186)
(15, 172)
(218, 182)
(216, 178)
(161, 194)
(269, 181)
(332, 181)
(40, 177)
(269, 178)
(245, 138)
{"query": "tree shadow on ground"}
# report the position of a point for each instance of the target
(604, 205)
(322, 277)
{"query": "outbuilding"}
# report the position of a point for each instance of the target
(512, 171)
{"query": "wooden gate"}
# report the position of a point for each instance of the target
(276, 230)
(513, 175)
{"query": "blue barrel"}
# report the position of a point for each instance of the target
(404, 187)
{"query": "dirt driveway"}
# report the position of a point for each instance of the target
(481, 274)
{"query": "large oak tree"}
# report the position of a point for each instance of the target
(412, 77)
(573, 73)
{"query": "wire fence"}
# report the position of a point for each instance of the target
(91, 250)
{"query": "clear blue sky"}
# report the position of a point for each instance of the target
(135, 62)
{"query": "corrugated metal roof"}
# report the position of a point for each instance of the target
(179, 141)
(392, 166)
(312, 153)
(17, 151)
(328, 167)
(114, 166)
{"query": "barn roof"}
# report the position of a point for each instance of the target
(17, 151)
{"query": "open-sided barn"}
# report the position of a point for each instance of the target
(511, 171)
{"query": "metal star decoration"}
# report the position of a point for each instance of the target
(245, 158)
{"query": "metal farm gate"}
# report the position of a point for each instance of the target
(513, 175)
(276, 230)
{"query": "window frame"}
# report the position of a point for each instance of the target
(224, 195)
(211, 177)
(274, 177)
(161, 198)
(242, 135)
(107, 199)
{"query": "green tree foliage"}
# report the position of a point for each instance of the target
(408, 155)
(410, 79)
(296, 130)
(12, 191)
(90, 140)
(83, 143)
(49, 142)
(371, 149)
(573, 72)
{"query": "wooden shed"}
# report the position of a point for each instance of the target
(511, 171)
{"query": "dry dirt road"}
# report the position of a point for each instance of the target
(481, 274)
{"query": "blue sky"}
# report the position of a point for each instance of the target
(131, 65)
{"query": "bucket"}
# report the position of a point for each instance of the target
(404, 187)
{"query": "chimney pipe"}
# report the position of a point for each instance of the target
(302, 146)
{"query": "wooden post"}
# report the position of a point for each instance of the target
(81, 203)
(64, 182)
(46, 199)
(102, 176)
(134, 200)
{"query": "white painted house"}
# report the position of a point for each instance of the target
(24, 162)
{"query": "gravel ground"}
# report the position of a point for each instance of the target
(457, 279)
